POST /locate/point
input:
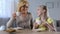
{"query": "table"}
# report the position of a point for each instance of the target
(40, 33)
(4, 32)
(28, 32)
(33, 32)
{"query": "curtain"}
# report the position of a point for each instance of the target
(6, 8)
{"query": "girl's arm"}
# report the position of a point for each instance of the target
(50, 26)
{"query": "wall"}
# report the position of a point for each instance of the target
(6, 8)
(53, 10)
(9, 6)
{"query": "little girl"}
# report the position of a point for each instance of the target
(43, 22)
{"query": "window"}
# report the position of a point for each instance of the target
(6, 8)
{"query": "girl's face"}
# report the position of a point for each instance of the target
(40, 11)
(24, 9)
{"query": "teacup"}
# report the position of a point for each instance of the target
(17, 13)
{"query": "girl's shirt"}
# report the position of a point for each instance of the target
(43, 27)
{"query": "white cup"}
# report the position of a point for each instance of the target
(38, 21)
(17, 13)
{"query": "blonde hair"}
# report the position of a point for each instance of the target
(44, 8)
(21, 3)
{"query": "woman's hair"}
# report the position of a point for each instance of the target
(21, 3)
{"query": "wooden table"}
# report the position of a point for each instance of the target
(28, 32)
(33, 32)
(4, 32)
(39, 33)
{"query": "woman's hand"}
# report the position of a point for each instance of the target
(14, 15)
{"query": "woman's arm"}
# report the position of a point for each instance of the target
(12, 19)
(9, 23)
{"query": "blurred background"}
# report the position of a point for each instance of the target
(7, 7)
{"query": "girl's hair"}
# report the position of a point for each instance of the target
(44, 8)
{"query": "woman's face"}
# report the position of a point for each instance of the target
(24, 9)
(40, 11)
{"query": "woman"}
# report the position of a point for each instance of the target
(22, 17)
(43, 22)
